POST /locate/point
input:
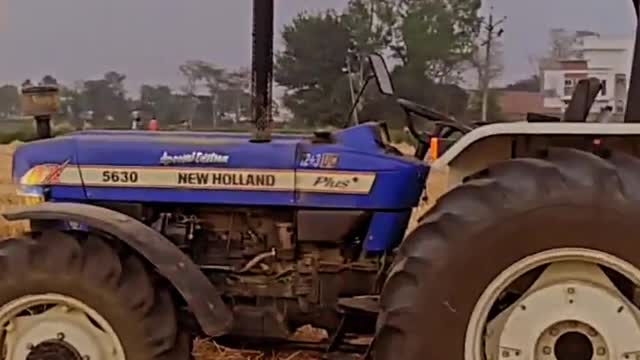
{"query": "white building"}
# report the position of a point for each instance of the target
(608, 59)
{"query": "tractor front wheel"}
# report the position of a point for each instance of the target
(529, 259)
(74, 298)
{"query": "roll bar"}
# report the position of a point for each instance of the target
(632, 113)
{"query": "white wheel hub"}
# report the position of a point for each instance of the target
(571, 339)
(572, 311)
(55, 323)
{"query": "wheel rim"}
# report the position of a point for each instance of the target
(544, 347)
(54, 326)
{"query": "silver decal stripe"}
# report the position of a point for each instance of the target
(336, 182)
(209, 179)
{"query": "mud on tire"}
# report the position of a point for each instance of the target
(516, 208)
(141, 314)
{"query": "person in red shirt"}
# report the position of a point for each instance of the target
(153, 124)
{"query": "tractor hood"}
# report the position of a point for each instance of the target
(144, 148)
(110, 165)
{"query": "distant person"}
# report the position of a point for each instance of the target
(153, 124)
(135, 120)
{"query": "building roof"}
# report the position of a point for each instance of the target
(609, 43)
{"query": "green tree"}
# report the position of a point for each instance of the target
(201, 73)
(234, 99)
(436, 37)
(49, 80)
(9, 100)
(161, 102)
(446, 98)
(324, 60)
(434, 40)
(229, 90)
(106, 98)
(72, 104)
(494, 110)
(370, 24)
(312, 68)
(115, 81)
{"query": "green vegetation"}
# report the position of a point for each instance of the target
(322, 65)
(23, 130)
(430, 40)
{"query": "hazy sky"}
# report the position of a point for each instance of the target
(149, 39)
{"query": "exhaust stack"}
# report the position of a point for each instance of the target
(632, 113)
(262, 69)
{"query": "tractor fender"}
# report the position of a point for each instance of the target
(200, 294)
(489, 144)
(510, 129)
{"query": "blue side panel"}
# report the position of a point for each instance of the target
(399, 180)
(386, 230)
(363, 137)
(133, 150)
(252, 198)
(394, 187)
(68, 193)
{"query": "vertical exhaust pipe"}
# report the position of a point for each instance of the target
(262, 69)
(632, 113)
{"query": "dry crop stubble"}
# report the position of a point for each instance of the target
(8, 196)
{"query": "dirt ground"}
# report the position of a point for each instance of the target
(203, 350)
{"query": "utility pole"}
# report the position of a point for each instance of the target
(352, 89)
(493, 31)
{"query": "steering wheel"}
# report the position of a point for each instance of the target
(444, 125)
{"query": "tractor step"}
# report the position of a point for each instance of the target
(358, 317)
(342, 356)
(350, 341)
(369, 304)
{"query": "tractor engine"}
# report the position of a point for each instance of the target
(277, 268)
(229, 239)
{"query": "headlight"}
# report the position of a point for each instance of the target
(34, 182)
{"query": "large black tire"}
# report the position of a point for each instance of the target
(117, 287)
(516, 208)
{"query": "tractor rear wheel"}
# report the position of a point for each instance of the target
(75, 298)
(529, 259)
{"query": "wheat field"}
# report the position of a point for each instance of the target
(8, 196)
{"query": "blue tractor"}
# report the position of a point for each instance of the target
(139, 241)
